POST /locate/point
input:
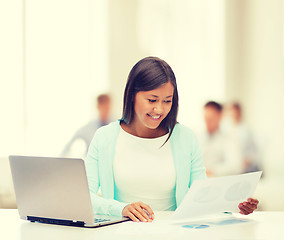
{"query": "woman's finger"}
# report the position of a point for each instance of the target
(253, 201)
(244, 209)
(138, 215)
(138, 211)
(244, 212)
(126, 212)
(131, 216)
(148, 209)
(250, 205)
(143, 213)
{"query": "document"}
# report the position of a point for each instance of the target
(215, 195)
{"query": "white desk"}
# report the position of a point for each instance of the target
(264, 225)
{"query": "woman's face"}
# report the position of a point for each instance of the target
(151, 107)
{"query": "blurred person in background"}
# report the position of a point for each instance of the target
(146, 160)
(79, 143)
(233, 125)
(221, 153)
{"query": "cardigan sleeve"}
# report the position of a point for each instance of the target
(100, 205)
(188, 159)
(197, 166)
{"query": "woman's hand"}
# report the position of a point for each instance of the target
(138, 211)
(249, 206)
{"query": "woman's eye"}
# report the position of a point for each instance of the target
(168, 101)
(151, 100)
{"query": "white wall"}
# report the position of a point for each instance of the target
(255, 72)
(264, 75)
(189, 35)
(255, 77)
(56, 56)
(264, 78)
(65, 70)
(11, 77)
(53, 64)
(11, 93)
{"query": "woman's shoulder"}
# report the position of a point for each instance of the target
(183, 130)
(108, 130)
(184, 135)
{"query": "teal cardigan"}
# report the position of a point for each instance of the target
(99, 166)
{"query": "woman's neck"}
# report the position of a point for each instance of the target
(143, 132)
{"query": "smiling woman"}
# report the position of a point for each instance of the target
(152, 84)
(145, 161)
(150, 108)
(154, 104)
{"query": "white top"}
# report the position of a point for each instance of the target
(144, 172)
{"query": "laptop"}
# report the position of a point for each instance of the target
(55, 191)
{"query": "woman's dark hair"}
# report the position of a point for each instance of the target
(146, 75)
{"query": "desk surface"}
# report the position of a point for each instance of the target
(261, 225)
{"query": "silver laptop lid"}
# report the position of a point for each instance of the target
(51, 188)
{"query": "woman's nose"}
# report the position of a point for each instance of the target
(158, 109)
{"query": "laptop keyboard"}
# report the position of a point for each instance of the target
(98, 220)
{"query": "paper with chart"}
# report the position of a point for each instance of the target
(215, 195)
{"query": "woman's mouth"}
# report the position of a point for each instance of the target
(154, 117)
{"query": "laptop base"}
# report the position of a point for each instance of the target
(73, 223)
(56, 221)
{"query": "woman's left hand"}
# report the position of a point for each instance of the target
(249, 206)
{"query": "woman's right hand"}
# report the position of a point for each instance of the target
(138, 211)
